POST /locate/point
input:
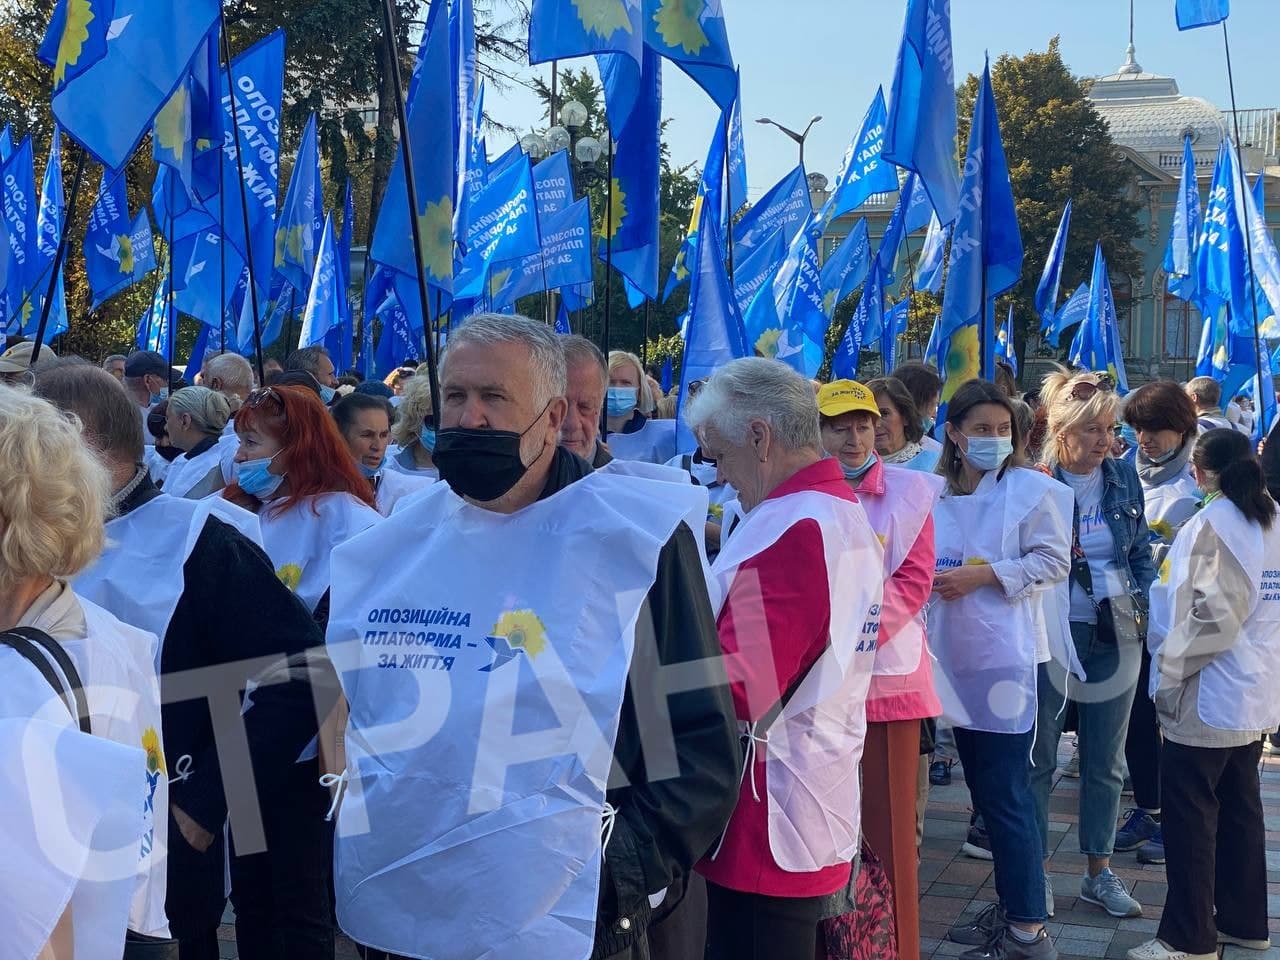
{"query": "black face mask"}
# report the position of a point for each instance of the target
(481, 465)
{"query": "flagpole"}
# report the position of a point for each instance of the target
(170, 321)
(411, 195)
(644, 347)
(911, 291)
(58, 260)
(1248, 236)
(222, 260)
(728, 200)
(608, 269)
(365, 317)
(244, 199)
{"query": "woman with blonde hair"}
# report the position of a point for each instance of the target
(196, 420)
(1111, 572)
(632, 432)
(398, 379)
(413, 434)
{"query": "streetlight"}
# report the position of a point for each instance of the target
(797, 137)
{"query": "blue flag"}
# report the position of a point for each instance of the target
(466, 126)
(48, 234)
(553, 184)
(709, 196)
(562, 319)
(1222, 261)
(563, 260)
(896, 319)
(737, 160)
(301, 219)
(714, 334)
(867, 323)
(200, 259)
(634, 216)
(986, 250)
(563, 29)
(117, 253)
(1266, 266)
(156, 324)
(208, 338)
(1047, 291)
(399, 341)
(894, 231)
(920, 134)
(1096, 345)
(1005, 349)
(1200, 13)
(929, 270)
(433, 151)
(22, 267)
(1184, 235)
(339, 341)
(1073, 311)
(322, 312)
(758, 269)
(6, 142)
(665, 382)
(505, 227)
(919, 207)
(846, 267)
(692, 34)
(786, 207)
(863, 171)
(134, 57)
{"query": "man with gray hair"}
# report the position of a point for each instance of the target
(315, 360)
(114, 365)
(801, 578)
(566, 607)
(1206, 394)
(230, 375)
(588, 382)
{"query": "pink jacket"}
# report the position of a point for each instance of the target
(910, 696)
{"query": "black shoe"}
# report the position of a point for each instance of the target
(977, 845)
(1005, 946)
(978, 930)
(940, 772)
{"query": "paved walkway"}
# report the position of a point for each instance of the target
(952, 885)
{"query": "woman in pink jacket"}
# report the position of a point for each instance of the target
(899, 502)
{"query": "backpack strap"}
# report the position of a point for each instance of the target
(38, 648)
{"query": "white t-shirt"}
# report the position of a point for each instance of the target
(1098, 545)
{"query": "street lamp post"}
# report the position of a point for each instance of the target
(797, 137)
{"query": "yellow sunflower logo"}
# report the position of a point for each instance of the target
(289, 242)
(679, 25)
(976, 562)
(681, 270)
(75, 34)
(767, 345)
(1162, 529)
(523, 631)
(1164, 572)
(151, 745)
(602, 17)
(435, 228)
(290, 575)
(171, 123)
(125, 243)
(715, 512)
(612, 223)
(962, 360)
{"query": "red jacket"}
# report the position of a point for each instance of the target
(779, 603)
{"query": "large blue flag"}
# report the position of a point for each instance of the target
(399, 340)
(48, 234)
(1265, 263)
(1047, 291)
(302, 218)
(1222, 258)
(1096, 345)
(633, 220)
(920, 134)
(846, 267)
(714, 334)
(466, 128)
(1200, 13)
(1073, 311)
(1005, 349)
(433, 150)
(896, 319)
(1184, 235)
(930, 269)
(134, 54)
(986, 249)
(552, 184)
(737, 160)
(200, 258)
(866, 324)
(563, 260)
(18, 189)
(758, 269)
(894, 231)
(156, 324)
(171, 142)
(504, 226)
(919, 208)
(863, 171)
(339, 341)
(323, 311)
(692, 34)
(117, 253)
(563, 29)
(710, 193)
(786, 206)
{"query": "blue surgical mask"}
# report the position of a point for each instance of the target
(256, 480)
(327, 394)
(371, 472)
(427, 437)
(988, 453)
(621, 400)
(160, 397)
(857, 473)
(928, 424)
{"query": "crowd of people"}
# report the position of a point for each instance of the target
(352, 655)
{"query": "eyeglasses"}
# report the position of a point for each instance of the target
(263, 396)
(1085, 389)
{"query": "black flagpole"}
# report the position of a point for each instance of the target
(222, 261)
(170, 321)
(244, 200)
(58, 259)
(411, 192)
(728, 199)
(608, 270)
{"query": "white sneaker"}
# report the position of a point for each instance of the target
(1159, 950)
(1244, 942)
(1048, 897)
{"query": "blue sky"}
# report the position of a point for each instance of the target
(806, 57)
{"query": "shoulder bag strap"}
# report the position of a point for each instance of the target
(39, 648)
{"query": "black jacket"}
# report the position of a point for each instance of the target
(667, 823)
(1271, 461)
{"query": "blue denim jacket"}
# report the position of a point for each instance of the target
(1124, 508)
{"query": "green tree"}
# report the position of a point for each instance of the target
(1058, 148)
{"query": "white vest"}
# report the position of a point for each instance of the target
(204, 474)
(400, 459)
(1169, 505)
(814, 748)
(655, 442)
(300, 540)
(1238, 687)
(395, 485)
(485, 671)
(985, 644)
(138, 576)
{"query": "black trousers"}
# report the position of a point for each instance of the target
(1215, 843)
(196, 895)
(1143, 745)
(751, 926)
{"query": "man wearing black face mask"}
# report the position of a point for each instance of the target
(538, 604)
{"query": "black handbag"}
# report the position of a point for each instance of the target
(1123, 618)
(43, 653)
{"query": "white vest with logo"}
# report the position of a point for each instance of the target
(897, 518)
(138, 576)
(395, 485)
(485, 671)
(1238, 687)
(986, 644)
(300, 540)
(204, 474)
(814, 748)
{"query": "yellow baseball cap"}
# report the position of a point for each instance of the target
(846, 396)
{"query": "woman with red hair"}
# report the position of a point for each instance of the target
(293, 470)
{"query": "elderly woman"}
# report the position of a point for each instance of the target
(195, 420)
(1163, 419)
(413, 434)
(899, 430)
(629, 408)
(54, 497)
(899, 504)
(365, 425)
(1111, 572)
(801, 585)
(398, 379)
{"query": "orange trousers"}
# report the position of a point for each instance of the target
(890, 770)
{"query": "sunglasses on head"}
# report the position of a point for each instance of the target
(1085, 389)
(265, 398)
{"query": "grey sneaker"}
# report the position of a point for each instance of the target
(1048, 897)
(977, 930)
(1005, 946)
(1108, 891)
(1072, 768)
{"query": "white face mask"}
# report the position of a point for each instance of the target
(987, 453)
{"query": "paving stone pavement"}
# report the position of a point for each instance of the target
(952, 885)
